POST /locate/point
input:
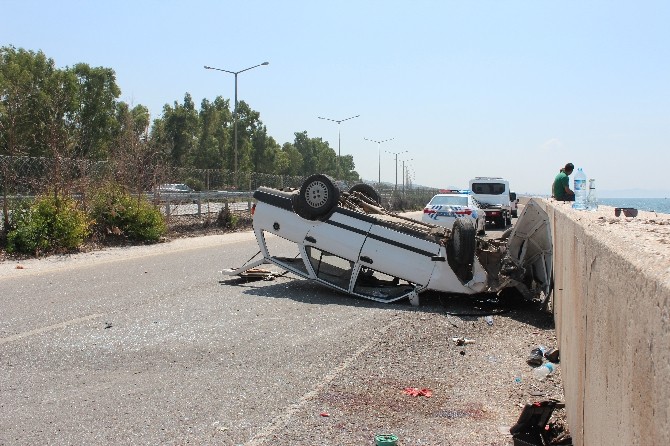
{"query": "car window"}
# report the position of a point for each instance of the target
(452, 200)
(488, 188)
(284, 252)
(380, 286)
(330, 268)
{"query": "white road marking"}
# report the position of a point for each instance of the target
(37, 331)
(283, 418)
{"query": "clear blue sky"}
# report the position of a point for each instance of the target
(467, 88)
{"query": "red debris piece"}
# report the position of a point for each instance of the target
(324, 414)
(414, 391)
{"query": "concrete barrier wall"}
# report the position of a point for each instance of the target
(612, 312)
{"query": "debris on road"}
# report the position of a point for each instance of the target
(414, 391)
(536, 357)
(462, 341)
(553, 355)
(386, 440)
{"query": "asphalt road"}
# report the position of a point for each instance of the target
(150, 345)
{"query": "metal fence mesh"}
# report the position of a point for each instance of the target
(26, 177)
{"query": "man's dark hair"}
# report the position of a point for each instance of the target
(569, 167)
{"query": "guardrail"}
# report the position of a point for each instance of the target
(199, 203)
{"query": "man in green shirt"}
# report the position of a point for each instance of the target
(561, 188)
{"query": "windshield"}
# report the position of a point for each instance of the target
(488, 188)
(449, 200)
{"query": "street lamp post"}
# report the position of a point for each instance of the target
(339, 153)
(396, 166)
(403, 174)
(235, 111)
(379, 155)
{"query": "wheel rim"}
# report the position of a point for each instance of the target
(316, 194)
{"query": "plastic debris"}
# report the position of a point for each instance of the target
(324, 414)
(386, 440)
(19, 267)
(536, 357)
(463, 341)
(489, 320)
(552, 355)
(414, 391)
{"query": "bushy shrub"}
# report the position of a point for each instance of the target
(47, 224)
(118, 212)
(226, 218)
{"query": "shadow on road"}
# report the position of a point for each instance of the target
(508, 303)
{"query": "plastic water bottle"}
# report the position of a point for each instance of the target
(581, 191)
(592, 198)
(544, 370)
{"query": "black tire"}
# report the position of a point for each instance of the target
(463, 241)
(317, 198)
(500, 222)
(366, 190)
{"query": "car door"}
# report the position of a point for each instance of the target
(399, 254)
(333, 247)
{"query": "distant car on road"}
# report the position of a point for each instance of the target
(174, 188)
(444, 208)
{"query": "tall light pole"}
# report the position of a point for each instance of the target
(396, 166)
(379, 155)
(235, 111)
(403, 173)
(339, 153)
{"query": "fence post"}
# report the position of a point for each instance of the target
(199, 203)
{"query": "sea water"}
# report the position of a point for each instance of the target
(659, 205)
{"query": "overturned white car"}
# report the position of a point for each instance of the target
(347, 241)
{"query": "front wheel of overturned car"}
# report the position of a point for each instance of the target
(317, 198)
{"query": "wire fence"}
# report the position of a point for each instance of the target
(213, 189)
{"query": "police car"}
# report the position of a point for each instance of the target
(449, 205)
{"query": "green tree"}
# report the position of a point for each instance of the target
(133, 158)
(214, 123)
(177, 131)
(248, 123)
(21, 73)
(317, 155)
(291, 161)
(95, 115)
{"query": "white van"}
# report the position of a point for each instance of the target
(493, 195)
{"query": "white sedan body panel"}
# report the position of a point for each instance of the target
(386, 257)
(400, 255)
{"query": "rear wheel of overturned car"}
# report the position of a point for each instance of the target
(463, 241)
(317, 198)
(461, 249)
(368, 191)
